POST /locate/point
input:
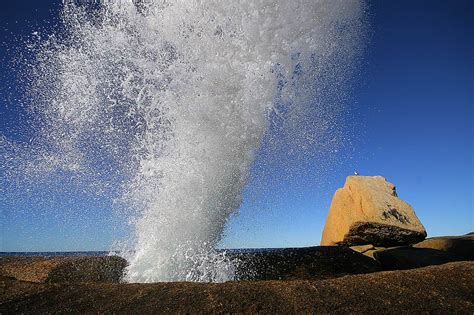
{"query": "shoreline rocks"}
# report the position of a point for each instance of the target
(462, 246)
(367, 210)
(368, 216)
(107, 269)
(444, 289)
(382, 231)
(306, 263)
(408, 257)
(432, 251)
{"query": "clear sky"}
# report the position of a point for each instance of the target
(411, 120)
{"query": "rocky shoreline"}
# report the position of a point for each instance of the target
(321, 279)
(376, 260)
(443, 289)
(307, 263)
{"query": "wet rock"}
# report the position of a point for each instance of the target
(367, 210)
(319, 262)
(63, 269)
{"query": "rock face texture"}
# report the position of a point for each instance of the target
(462, 246)
(306, 263)
(367, 250)
(367, 210)
(408, 257)
(63, 269)
(432, 251)
(444, 289)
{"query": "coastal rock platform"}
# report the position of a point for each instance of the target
(304, 263)
(443, 289)
(63, 268)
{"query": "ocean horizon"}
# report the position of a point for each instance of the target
(107, 253)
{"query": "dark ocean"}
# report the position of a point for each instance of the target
(106, 253)
(90, 253)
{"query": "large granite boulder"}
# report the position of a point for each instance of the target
(306, 263)
(367, 210)
(63, 269)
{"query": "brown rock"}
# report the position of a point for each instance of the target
(362, 248)
(367, 210)
(462, 246)
(367, 250)
(63, 269)
(407, 257)
(445, 289)
(370, 253)
(318, 262)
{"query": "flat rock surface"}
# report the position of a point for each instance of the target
(444, 289)
(318, 262)
(63, 268)
(367, 210)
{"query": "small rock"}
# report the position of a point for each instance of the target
(367, 210)
(370, 253)
(367, 250)
(362, 248)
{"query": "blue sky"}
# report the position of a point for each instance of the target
(411, 120)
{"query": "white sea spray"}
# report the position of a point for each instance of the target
(168, 101)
